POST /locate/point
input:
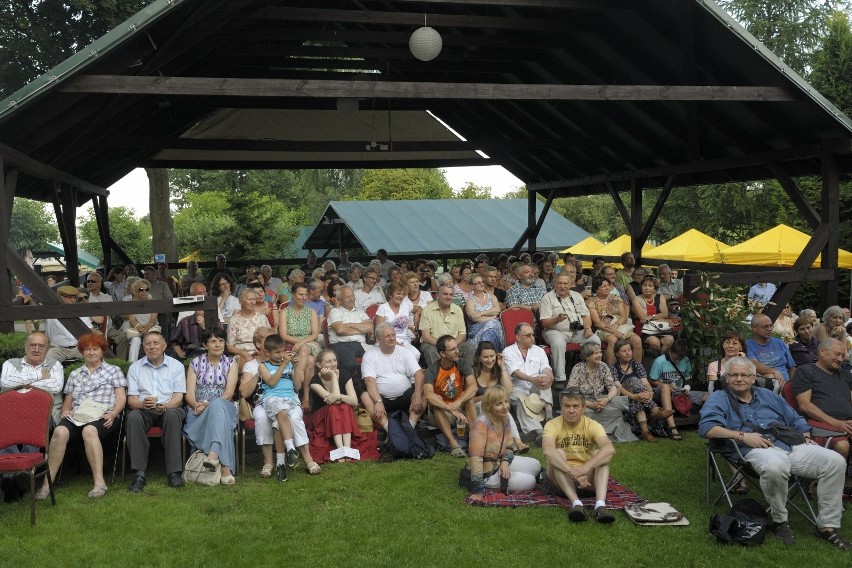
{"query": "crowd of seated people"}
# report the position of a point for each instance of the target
(433, 345)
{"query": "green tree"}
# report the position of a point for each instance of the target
(791, 29)
(205, 224)
(395, 184)
(33, 226)
(36, 35)
(473, 191)
(133, 235)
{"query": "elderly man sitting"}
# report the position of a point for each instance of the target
(824, 393)
(565, 319)
(738, 413)
(769, 354)
(348, 328)
(529, 369)
(443, 317)
(524, 292)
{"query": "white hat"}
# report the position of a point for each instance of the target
(533, 406)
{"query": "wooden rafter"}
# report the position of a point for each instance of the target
(227, 87)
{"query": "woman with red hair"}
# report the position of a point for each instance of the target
(94, 398)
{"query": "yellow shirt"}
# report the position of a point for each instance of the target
(578, 442)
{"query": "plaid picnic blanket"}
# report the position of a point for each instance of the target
(617, 497)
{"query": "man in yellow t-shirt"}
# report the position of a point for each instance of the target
(578, 453)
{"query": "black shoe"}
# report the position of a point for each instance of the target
(138, 484)
(784, 533)
(577, 514)
(282, 472)
(175, 479)
(292, 458)
(9, 489)
(604, 515)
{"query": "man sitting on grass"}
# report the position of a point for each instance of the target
(449, 388)
(578, 453)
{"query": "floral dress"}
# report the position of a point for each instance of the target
(241, 330)
(299, 325)
(632, 382)
(491, 330)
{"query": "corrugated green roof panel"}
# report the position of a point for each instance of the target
(89, 260)
(446, 225)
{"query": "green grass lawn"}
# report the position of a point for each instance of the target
(384, 514)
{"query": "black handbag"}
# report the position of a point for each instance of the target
(746, 525)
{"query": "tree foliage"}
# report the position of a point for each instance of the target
(473, 191)
(36, 35)
(792, 29)
(33, 226)
(396, 184)
(133, 235)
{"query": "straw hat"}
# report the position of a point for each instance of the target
(533, 406)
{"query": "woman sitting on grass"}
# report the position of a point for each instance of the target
(210, 415)
(491, 461)
(643, 414)
(99, 382)
(489, 371)
(332, 400)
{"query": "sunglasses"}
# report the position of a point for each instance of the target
(93, 281)
(142, 290)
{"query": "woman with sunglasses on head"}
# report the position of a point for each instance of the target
(137, 325)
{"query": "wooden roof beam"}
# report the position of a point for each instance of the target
(227, 87)
(39, 170)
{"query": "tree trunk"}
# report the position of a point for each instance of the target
(162, 230)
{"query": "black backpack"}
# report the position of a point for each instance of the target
(403, 441)
(746, 525)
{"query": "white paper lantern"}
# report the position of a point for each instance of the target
(425, 43)
(347, 105)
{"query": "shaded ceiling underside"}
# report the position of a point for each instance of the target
(553, 90)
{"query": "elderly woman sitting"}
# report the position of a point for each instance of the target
(595, 380)
(137, 325)
(210, 415)
(243, 325)
(833, 325)
(483, 311)
(103, 388)
(609, 315)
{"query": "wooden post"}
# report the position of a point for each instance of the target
(636, 220)
(99, 204)
(7, 198)
(830, 215)
(531, 236)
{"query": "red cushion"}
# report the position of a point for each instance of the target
(154, 432)
(20, 462)
(248, 424)
(24, 416)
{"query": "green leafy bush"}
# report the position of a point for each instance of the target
(12, 345)
(120, 363)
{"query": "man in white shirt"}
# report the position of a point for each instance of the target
(63, 344)
(33, 370)
(565, 319)
(528, 367)
(393, 378)
(156, 385)
(348, 328)
(370, 293)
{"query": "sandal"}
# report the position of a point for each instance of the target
(266, 470)
(314, 468)
(834, 538)
(42, 493)
(99, 491)
(675, 435)
(210, 465)
(457, 452)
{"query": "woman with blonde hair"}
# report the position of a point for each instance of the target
(491, 462)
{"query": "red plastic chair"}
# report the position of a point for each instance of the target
(511, 317)
(25, 419)
(371, 311)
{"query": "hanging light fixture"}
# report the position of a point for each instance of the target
(425, 43)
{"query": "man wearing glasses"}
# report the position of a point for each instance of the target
(63, 344)
(737, 412)
(770, 355)
(370, 293)
(94, 283)
(529, 369)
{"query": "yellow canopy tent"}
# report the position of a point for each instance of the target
(585, 247)
(691, 246)
(779, 246)
(195, 255)
(618, 247)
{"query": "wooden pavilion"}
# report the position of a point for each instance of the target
(574, 97)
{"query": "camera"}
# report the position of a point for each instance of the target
(576, 326)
